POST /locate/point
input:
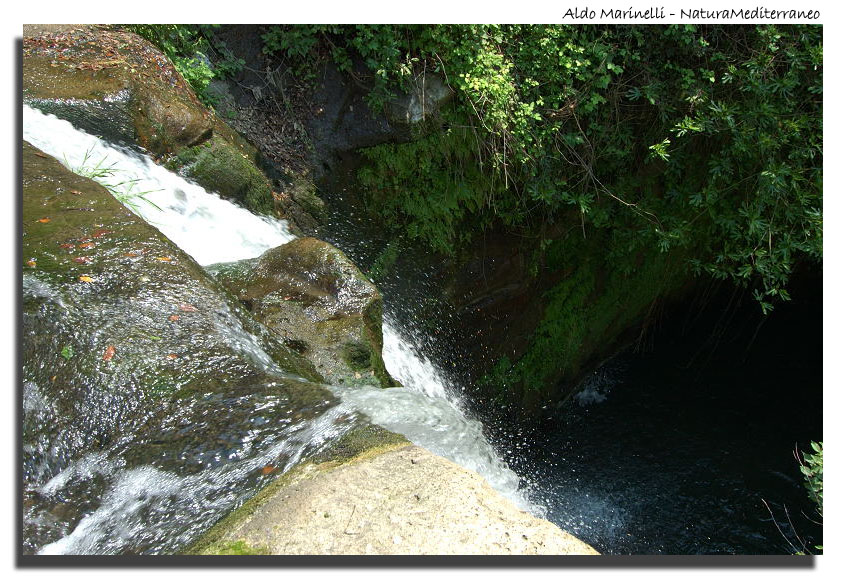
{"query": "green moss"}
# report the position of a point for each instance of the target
(220, 166)
(357, 355)
(588, 311)
(239, 548)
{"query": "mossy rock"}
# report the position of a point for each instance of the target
(311, 294)
(298, 202)
(220, 166)
(118, 86)
(126, 338)
(112, 84)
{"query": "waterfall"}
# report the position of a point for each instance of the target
(214, 230)
(207, 227)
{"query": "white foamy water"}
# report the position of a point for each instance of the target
(429, 415)
(202, 224)
(213, 230)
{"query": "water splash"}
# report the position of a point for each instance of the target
(161, 510)
(427, 413)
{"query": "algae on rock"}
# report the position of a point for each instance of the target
(320, 304)
(126, 338)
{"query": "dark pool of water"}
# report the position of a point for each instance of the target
(691, 441)
(695, 435)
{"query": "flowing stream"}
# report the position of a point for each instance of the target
(118, 509)
(649, 457)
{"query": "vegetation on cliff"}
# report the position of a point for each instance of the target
(702, 138)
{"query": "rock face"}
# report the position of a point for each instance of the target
(395, 499)
(427, 96)
(342, 121)
(130, 347)
(317, 300)
(112, 84)
(118, 86)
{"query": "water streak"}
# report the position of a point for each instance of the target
(147, 505)
(202, 224)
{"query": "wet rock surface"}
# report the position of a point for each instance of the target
(318, 302)
(113, 84)
(131, 350)
(116, 85)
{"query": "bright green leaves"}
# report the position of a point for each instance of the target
(811, 466)
(548, 120)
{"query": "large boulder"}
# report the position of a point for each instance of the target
(386, 497)
(317, 300)
(113, 84)
(131, 350)
(118, 86)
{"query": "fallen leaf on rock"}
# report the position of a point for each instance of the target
(164, 258)
(67, 246)
(82, 259)
(42, 155)
(187, 308)
(44, 220)
(173, 318)
(100, 232)
(172, 356)
(268, 469)
(87, 245)
(86, 279)
(110, 351)
(75, 192)
(130, 254)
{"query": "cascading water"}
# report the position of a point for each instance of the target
(209, 228)
(137, 506)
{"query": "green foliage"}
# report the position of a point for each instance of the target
(122, 189)
(440, 184)
(384, 261)
(188, 46)
(706, 139)
(594, 302)
(811, 465)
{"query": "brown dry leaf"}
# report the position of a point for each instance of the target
(164, 258)
(87, 245)
(173, 318)
(44, 220)
(268, 469)
(75, 192)
(130, 254)
(42, 155)
(82, 259)
(187, 308)
(31, 262)
(67, 246)
(172, 356)
(107, 355)
(86, 279)
(100, 232)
